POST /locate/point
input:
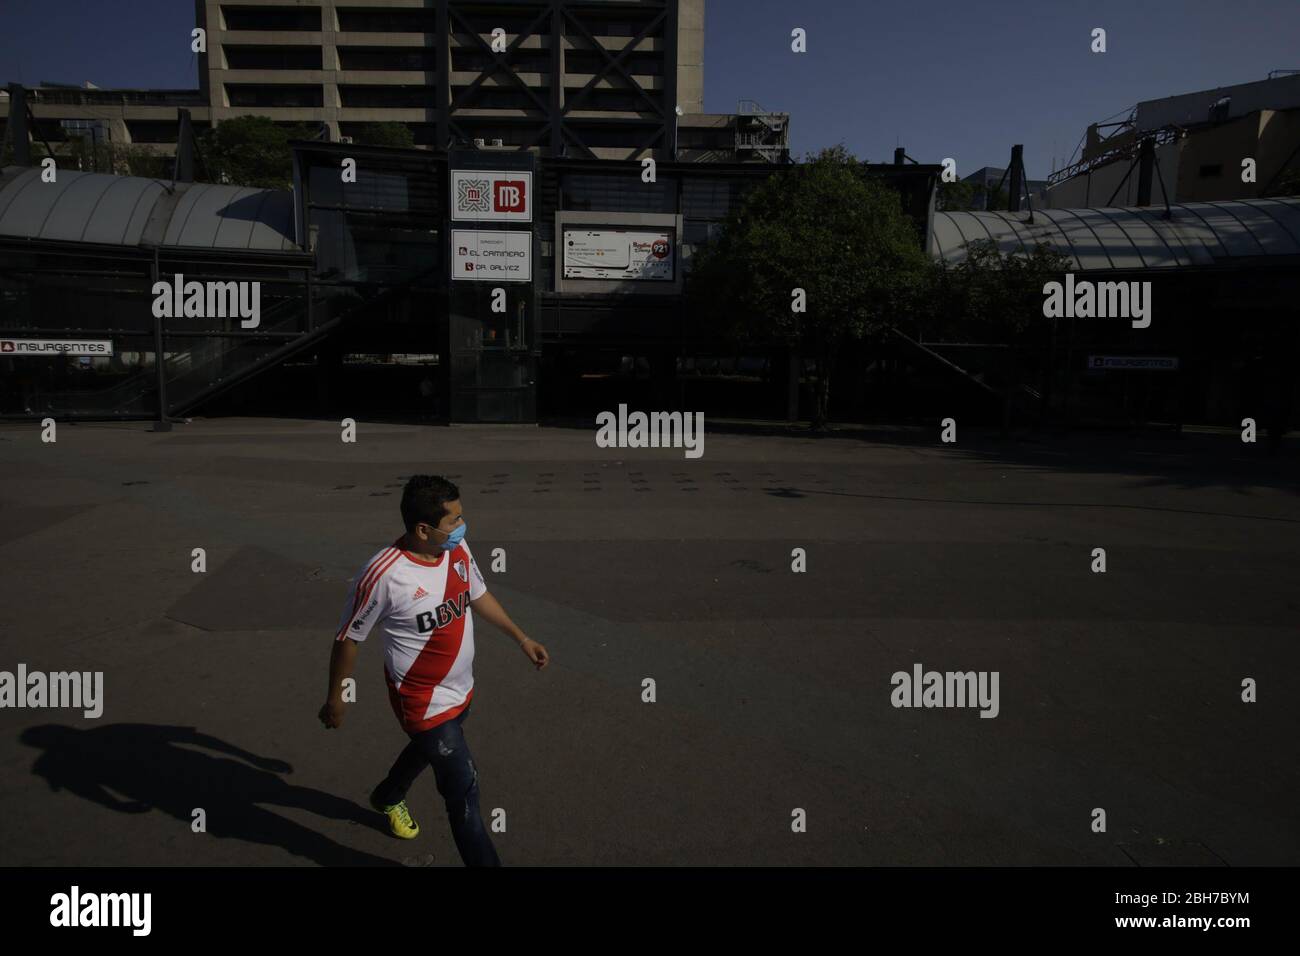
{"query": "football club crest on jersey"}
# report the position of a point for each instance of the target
(460, 569)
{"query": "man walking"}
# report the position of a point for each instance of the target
(421, 594)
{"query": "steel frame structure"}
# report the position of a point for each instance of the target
(554, 124)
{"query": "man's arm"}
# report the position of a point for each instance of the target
(342, 661)
(368, 605)
(491, 611)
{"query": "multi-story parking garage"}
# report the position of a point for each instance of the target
(608, 79)
(590, 78)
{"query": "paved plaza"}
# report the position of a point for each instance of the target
(1119, 690)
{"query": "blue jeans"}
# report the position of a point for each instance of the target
(444, 748)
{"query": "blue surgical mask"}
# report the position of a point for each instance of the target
(454, 538)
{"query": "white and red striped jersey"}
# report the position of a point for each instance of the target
(422, 610)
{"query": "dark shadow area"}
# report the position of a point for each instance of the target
(258, 590)
(756, 427)
(1185, 462)
(272, 209)
(152, 767)
(987, 502)
(787, 493)
(762, 428)
(369, 418)
(17, 520)
(1155, 457)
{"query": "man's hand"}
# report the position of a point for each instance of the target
(331, 714)
(536, 653)
(491, 611)
(342, 660)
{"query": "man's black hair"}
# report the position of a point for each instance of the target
(424, 499)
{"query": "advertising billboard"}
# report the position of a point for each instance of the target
(481, 255)
(621, 254)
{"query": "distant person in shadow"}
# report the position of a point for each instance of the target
(136, 768)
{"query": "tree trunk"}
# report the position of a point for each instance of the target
(794, 371)
(821, 412)
(1009, 389)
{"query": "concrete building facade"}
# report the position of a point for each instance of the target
(1200, 142)
(603, 79)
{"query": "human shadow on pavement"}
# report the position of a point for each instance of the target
(153, 767)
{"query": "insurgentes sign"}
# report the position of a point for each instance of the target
(17, 347)
(1158, 363)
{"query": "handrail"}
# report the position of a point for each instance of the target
(144, 381)
(287, 309)
(295, 345)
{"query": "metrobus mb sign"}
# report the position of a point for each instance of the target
(479, 195)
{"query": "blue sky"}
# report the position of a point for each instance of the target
(965, 80)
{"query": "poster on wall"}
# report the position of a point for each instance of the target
(619, 254)
(491, 256)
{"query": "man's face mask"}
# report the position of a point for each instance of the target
(452, 539)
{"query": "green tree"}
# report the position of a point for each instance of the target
(964, 196)
(388, 133)
(956, 195)
(994, 293)
(122, 159)
(83, 154)
(823, 226)
(250, 151)
(992, 197)
(997, 297)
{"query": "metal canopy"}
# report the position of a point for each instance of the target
(1112, 239)
(124, 210)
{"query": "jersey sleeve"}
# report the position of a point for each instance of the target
(368, 601)
(477, 586)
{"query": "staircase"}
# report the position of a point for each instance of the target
(200, 364)
(761, 131)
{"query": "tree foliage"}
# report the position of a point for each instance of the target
(84, 154)
(957, 195)
(823, 226)
(388, 133)
(964, 196)
(997, 297)
(251, 151)
(992, 294)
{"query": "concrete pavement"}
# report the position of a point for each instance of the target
(1119, 691)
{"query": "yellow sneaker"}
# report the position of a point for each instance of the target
(400, 823)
